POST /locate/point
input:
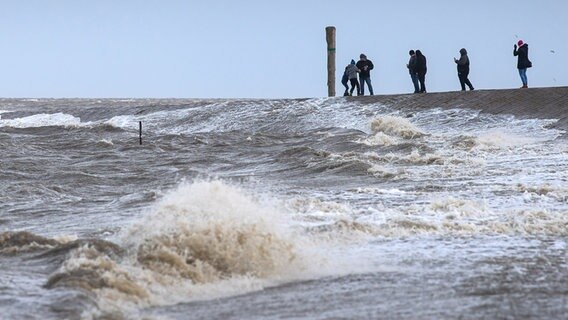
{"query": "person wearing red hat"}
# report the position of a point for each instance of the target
(523, 62)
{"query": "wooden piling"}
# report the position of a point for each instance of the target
(330, 39)
(140, 131)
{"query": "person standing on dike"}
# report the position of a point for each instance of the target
(365, 66)
(523, 61)
(412, 70)
(421, 70)
(352, 71)
(344, 81)
(463, 69)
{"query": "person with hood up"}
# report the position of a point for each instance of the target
(365, 66)
(421, 70)
(463, 69)
(351, 71)
(523, 61)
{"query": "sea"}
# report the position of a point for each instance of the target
(324, 208)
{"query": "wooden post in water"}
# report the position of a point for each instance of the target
(330, 39)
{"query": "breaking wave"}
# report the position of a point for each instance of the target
(203, 240)
(42, 120)
(396, 126)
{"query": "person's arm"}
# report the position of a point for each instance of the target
(371, 66)
(515, 52)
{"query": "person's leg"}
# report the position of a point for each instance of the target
(523, 75)
(461, 76)
(422, 79)
(468, 83)
(362, 85)
(414, 78)
(352, 86)
(358, 86)
(369, 85)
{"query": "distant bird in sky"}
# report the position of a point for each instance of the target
(552, 51)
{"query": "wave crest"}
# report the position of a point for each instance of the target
(396, 126)
(202, 235)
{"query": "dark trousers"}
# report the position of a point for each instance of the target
(355, 83)
(414, 78)
(464, 80)
(422, 79)
(346, 93)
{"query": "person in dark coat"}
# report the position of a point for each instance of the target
(421, 70)
(463, 69)
(365, 66)
(412, 70)
(523, 61)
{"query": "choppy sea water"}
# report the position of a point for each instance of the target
(255, 209)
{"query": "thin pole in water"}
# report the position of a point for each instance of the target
(140, 129)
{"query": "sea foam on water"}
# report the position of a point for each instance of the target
(396, 126)
(203, 240)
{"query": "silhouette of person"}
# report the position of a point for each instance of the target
(344, 81)
(463, 69)
(365, 66)
(523, 61)
(352, 71)
(421, 70)
(412, 70)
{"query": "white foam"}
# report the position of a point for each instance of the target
(397, 126)
(42, 120)
(123, 122)
(380, 139)
(205, 240)
(498, 138)
(107, 142)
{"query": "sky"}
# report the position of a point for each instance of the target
(268, 48)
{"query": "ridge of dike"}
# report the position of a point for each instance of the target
(539, 103)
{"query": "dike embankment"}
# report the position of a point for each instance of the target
(539, 103)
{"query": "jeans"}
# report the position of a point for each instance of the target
(523, 74)
(414, 78)
(368, 81)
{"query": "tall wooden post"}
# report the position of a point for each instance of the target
(330, 39)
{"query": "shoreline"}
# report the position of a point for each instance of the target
(540, 103)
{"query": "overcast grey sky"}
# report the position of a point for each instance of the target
(267, 48)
